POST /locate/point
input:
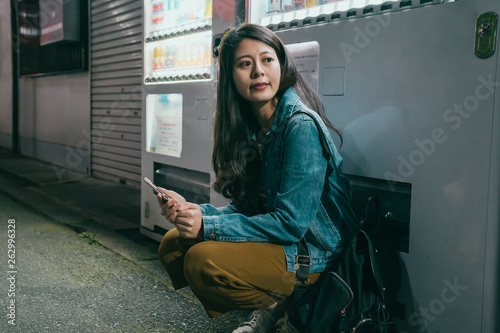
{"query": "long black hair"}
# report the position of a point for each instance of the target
(233, 151)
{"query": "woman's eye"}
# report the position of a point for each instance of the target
(245, 64)
(268, 59)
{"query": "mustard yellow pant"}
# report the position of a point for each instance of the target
(228, 276)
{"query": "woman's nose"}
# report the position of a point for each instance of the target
(257, 70)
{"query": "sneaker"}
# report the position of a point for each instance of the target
(284, 326)
(261, 321)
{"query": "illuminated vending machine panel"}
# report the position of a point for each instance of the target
(177, 44)
(292, 13)
(288, 14)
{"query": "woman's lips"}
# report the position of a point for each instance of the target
(260, 86)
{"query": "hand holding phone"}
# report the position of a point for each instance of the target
(164, 195)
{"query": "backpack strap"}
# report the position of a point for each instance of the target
(302, 263)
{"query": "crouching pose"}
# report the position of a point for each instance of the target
(270, 160)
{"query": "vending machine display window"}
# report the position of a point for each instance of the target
(276, 11)
(164, 124)
(287, 14)
(177, 45)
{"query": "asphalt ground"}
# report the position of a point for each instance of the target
(72, 259)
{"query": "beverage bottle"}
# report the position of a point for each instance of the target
(156, 56)
(199, 52)
(197, 10)
(179, 55)
(161, 13)
(287, 5)
(154, 12)
(187, 55)
(207, 51)
(298, 3)
(170, 56)
(274, 6)
(208, 8)
(163, 57)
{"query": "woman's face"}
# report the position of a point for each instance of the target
(256, 72)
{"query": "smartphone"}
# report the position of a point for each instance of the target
(157, 189)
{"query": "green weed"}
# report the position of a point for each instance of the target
(91, 237)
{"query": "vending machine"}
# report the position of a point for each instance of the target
(178, 100)
(412, 85)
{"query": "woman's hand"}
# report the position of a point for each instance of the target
(189, 221)
(174, 195)
(169, 208)
(186, 216)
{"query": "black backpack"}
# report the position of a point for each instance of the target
(348, 297)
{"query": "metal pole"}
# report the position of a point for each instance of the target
(15, 74)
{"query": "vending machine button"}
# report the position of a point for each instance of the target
(335, 16)
(370, 10)
(321, 19)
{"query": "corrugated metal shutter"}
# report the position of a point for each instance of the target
(116, 63)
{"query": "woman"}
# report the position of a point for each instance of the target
(274, 158)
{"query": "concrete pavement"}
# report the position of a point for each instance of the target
(54, 280)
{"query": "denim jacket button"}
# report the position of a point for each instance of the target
(269, 192)
(212, 235)
(265, 164)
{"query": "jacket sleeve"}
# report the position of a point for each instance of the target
(297, 199)
(233, 208)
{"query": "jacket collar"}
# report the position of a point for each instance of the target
(288, 104)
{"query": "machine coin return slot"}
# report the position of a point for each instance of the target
(194, 186)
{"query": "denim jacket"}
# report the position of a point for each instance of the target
(306, 191)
